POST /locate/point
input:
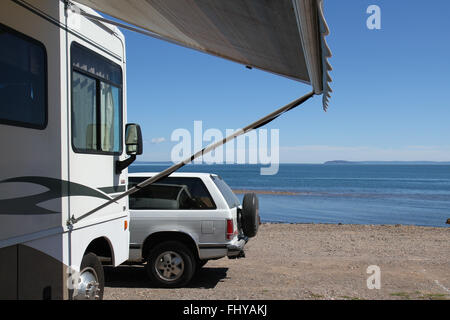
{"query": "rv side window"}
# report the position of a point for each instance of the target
(96, 103)
(23, 80)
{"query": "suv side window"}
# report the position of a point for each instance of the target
(173, 193)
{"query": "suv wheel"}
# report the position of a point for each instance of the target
(170, 264)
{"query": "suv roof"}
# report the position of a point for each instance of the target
(175, 174)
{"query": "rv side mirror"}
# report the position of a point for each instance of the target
(133, 139)
(133, 146)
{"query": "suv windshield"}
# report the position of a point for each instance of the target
(226, 191)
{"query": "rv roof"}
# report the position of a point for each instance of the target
(285, 37)
(94, 13)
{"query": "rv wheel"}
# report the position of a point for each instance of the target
(250, 220)
(170, 264)
(91, 281)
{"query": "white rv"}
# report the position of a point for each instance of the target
(64, 139)
(62, 131)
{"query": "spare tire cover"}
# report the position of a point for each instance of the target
(250, 215)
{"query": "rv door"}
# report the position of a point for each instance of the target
(96, 108)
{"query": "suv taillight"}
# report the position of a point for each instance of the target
(230, 229)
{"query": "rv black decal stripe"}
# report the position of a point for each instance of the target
(57, 189)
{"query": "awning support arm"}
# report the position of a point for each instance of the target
(163, 174)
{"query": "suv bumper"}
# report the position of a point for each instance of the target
(236, 250)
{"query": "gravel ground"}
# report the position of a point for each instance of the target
(312, 261)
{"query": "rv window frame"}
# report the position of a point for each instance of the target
(98, 81)
(40, 44)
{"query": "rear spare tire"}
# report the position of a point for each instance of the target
(250, 215)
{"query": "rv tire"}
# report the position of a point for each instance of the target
(91, 282)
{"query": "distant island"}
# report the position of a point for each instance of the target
(344, 162)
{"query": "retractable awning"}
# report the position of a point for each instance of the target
(285, 37)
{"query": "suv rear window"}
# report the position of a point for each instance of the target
(226, 191)
(173, 193)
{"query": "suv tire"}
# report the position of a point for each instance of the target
(170, 264)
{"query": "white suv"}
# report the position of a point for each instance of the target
(184, 220)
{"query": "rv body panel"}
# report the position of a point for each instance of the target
(44, 181)
(30, 152)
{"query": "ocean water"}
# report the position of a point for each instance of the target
(349, 194)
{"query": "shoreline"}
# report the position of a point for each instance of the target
(397, 225)
(287, 193)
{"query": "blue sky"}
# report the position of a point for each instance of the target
(390, 99)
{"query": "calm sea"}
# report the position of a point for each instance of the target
(355, 194)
